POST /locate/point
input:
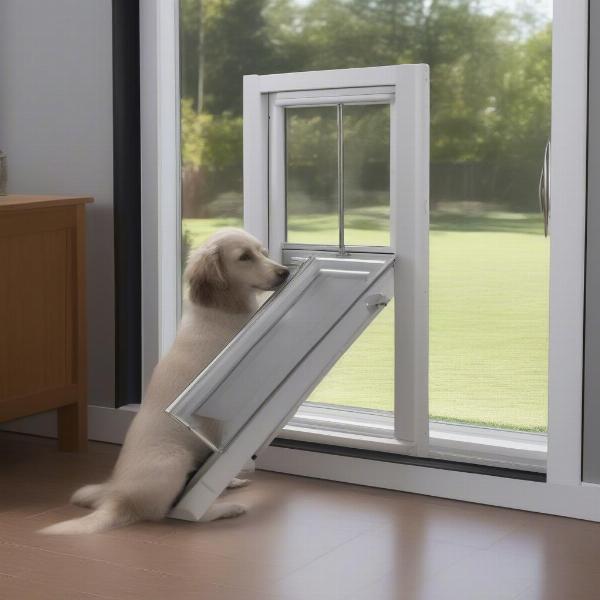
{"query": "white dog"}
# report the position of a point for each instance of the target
(224, 276)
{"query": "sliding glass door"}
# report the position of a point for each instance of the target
(490, 65)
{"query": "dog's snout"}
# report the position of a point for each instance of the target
(282, 273)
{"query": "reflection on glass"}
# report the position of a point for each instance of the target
(367, 175)
(311, 175)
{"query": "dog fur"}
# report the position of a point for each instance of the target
(225, 276)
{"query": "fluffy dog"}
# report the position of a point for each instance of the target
(225, 276)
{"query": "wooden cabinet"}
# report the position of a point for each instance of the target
(42, 312)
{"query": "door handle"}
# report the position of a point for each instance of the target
(544, 188)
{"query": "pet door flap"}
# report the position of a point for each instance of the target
(256, 384)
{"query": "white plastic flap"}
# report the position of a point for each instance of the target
(258, 381)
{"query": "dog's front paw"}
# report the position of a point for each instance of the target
(237, 483)
(223, 510)
(233, 510)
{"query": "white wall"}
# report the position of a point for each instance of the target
(56, 128)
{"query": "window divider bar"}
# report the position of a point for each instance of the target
(340, 177)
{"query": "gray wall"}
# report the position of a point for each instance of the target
(56, 128)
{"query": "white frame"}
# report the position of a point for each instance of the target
(568, 181)
(405, 88)
(564, 493)
(160, 179)
(374, 430)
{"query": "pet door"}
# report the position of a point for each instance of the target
(258, 382)
(317, 145)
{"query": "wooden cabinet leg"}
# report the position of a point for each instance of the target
(72, 427)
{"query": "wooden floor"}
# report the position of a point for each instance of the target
(302, 539)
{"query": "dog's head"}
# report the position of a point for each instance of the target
(230, 266)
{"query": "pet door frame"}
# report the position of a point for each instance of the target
(405, 88)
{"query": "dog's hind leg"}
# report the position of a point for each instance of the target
(89, 496)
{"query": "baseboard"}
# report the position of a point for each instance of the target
(582, 502)
(105, 424)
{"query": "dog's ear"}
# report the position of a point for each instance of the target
(206, 278)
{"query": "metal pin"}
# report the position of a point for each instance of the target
(340, 183)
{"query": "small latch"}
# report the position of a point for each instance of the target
(377, 301)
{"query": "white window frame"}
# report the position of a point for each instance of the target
(405, 89)
(563, 493)
(160, 178)
(374, 430)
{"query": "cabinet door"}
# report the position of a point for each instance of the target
(37, 302)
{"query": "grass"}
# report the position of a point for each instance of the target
(488, 318)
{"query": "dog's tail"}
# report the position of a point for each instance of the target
(114, 511)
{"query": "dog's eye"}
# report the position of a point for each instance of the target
(246, 256)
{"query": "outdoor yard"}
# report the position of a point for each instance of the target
(488, 318)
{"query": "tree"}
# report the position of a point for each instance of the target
(236, 43)
(490, 71)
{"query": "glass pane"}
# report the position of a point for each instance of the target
(364, 375)
(490, 66)
(489, 318)
(367, 175)
(489, 261)
(311, 175)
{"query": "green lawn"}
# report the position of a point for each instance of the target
(488, 319)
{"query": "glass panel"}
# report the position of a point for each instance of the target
(311, 175)
(211, 124)
(364, 375)
(367, 175)
(489, 318)
(489, 261)
(490, 65)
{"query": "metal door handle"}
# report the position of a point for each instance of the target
(544, 188)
